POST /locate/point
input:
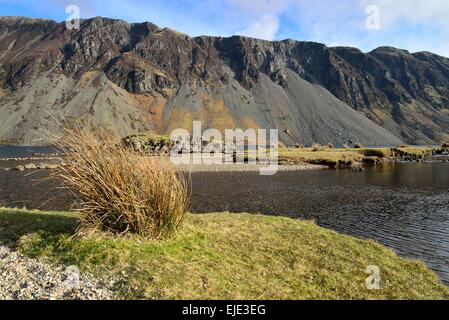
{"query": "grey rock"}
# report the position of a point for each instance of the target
(30, 166)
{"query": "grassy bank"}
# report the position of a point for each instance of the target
(225, 256)
(335, 157)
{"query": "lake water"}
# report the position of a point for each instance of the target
(404, 206)
(23, 152)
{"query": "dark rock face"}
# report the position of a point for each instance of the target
(410, 91)
(176, 77)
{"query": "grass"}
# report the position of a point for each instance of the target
(323, 156)
(119, 190)
(225, 256)
(335, 156)
(414, 151)
(318, 147)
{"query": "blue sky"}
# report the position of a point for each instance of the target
(415, 25)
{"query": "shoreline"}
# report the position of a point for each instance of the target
(290, 159)
(246, 167)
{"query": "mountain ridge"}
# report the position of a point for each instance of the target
(135, 77)
(32, 19)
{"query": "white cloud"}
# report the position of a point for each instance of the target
(266, 28)
(428, 12)
(415, 25)
(262, 16)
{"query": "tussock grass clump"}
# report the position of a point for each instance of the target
(358, 146)
(318, 147)
(445, 145)
(380, 153)
(403, 146)
(119, 190)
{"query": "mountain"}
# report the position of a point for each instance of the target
(138, 77)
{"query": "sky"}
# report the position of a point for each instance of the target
(414, 25)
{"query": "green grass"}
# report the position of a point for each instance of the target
(333, 156)
(415, 151)
(225, 256)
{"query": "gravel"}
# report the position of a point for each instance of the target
(22, 278)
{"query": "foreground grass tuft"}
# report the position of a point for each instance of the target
(225, 256)
(119, 190)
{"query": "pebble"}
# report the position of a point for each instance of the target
(22, 278)
(47, 166)
(30, 166)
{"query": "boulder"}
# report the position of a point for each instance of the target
(30, 166)
(42, 166)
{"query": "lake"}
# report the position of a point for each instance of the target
(404, 206)
(23, 152)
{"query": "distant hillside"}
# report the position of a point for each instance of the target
(137, 77)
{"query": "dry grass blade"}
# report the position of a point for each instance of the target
(119, 190)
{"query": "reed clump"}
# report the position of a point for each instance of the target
(120, 191)
(318, 147)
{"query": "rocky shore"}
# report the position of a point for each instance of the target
(246, 167)
(370, 157)
(31, 163)
(32, 166)
(22, 278)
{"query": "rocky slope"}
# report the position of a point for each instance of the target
(138, 77)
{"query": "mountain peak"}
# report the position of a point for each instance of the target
(390, 50)
(19, 20)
